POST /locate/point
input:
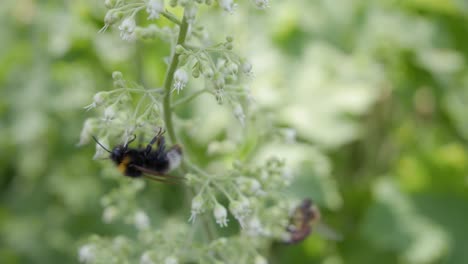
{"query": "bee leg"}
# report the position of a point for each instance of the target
(130, 141)
(160, 142)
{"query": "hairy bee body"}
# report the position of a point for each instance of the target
(138, 162)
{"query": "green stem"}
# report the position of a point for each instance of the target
(171, 17)
(168, 83)
(189, 98)
(207, 224)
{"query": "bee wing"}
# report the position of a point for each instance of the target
(157, 176)
(327, 232)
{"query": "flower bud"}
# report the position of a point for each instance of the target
(220, 214)
(154, 8)
(219, 81)
(112, 17)
(109, 4)
(196, 73)
(100, 97)
(232, 68)
(197, 207)
(246, 67)
(208, 72)
(228, 45)
(116, 75)
(180, 79)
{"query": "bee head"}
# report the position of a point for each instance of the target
(118, 153)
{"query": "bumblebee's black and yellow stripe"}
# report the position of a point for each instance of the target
(154, 164)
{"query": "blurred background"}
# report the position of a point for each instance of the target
(376, 91)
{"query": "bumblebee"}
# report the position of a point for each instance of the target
(147, 162)
(301, 221)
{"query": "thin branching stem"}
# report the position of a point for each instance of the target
(169, 78)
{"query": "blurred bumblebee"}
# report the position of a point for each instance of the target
(305, 217)
(301, 221)
(147, 162)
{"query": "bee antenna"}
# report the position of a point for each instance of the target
(95, 139)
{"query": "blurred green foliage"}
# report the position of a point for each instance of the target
(377, 91)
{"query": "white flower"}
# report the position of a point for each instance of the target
(190, 13)
(261, 3)
(154, 8)
(254, 227)
(289, 135)
(247, 67)
(180, 79)
(100, 151)
(141, 220)
(239, 114)
(127, 29)
(98, 99)
(232, 68)
(240, 209)
(86, 253)
(197, 207)
(249, 185)
(171, 260)
(109, 113)
(228, 5)
(85, 135)
(220, 214)
(146, 258)
(287, 175)
(260, 260)
(109, 214)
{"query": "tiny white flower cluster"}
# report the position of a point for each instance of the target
(86, 253)
(154, 8)
(228, 5)
(262, 4)
(127, 29)
(240, 209)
